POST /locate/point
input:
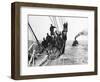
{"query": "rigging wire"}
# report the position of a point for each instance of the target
(51, 20)
(57, 23)
(54, 21)
(60, 21)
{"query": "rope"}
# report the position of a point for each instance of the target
(51, 20)
(60, 21)
(56, 23)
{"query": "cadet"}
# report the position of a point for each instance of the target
(52, 29)
(48, 39)
(65, 27)
(64, 36)
(44, 43)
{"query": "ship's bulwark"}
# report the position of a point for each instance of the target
(74, 55)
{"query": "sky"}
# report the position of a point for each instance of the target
(41, 26)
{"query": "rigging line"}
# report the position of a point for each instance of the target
(54, 21)
(64, 19)
(61, 21)
(51, 20)
(61, 24)
(33, 33)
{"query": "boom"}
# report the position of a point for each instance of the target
(34, 34)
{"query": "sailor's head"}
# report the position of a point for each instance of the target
(43, 38)
(65, 24)
(47, 34)
(59, 34)
(51, 25)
